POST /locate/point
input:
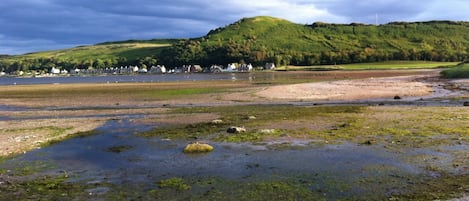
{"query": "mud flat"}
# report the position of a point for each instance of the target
(132, 136)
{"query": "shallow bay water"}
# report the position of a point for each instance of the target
(118, 156)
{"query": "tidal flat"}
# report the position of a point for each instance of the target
(125, 142)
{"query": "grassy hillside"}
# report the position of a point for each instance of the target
(109, 51)
(319, 37)
(101, 55)
(262, 39)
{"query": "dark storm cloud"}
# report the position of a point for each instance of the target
(88, 22)
(32, 25)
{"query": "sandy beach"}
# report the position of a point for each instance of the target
(357, 89)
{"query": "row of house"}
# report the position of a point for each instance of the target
(232, 67)
(159, 69)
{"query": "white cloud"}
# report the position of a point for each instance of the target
(295, 11)
(444, 10)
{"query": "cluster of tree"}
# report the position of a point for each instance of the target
(193, 52)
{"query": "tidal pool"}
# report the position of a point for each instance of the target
(117, 156)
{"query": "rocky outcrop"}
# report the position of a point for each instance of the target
(197, 147)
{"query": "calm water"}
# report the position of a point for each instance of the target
(132, 78)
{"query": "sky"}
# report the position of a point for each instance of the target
(38, 25)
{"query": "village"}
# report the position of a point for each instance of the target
(158, 69)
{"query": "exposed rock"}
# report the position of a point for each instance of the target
(368, 142)
(197, 147)
(466, 103)
(267, 131)
(217, 121)
(234, 129)
(252, 117)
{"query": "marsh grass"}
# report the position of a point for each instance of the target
(398, 65)
(459, 71)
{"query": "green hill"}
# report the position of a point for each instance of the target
(266, 39)
(120, 53)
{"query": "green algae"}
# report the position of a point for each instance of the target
(237, 115)
(42, 188)
(174, 183)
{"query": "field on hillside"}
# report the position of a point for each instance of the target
(108, 51)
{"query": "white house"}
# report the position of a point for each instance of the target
(55, 70)
(158, 69)
(231, 67)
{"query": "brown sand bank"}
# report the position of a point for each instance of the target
(357, 89)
